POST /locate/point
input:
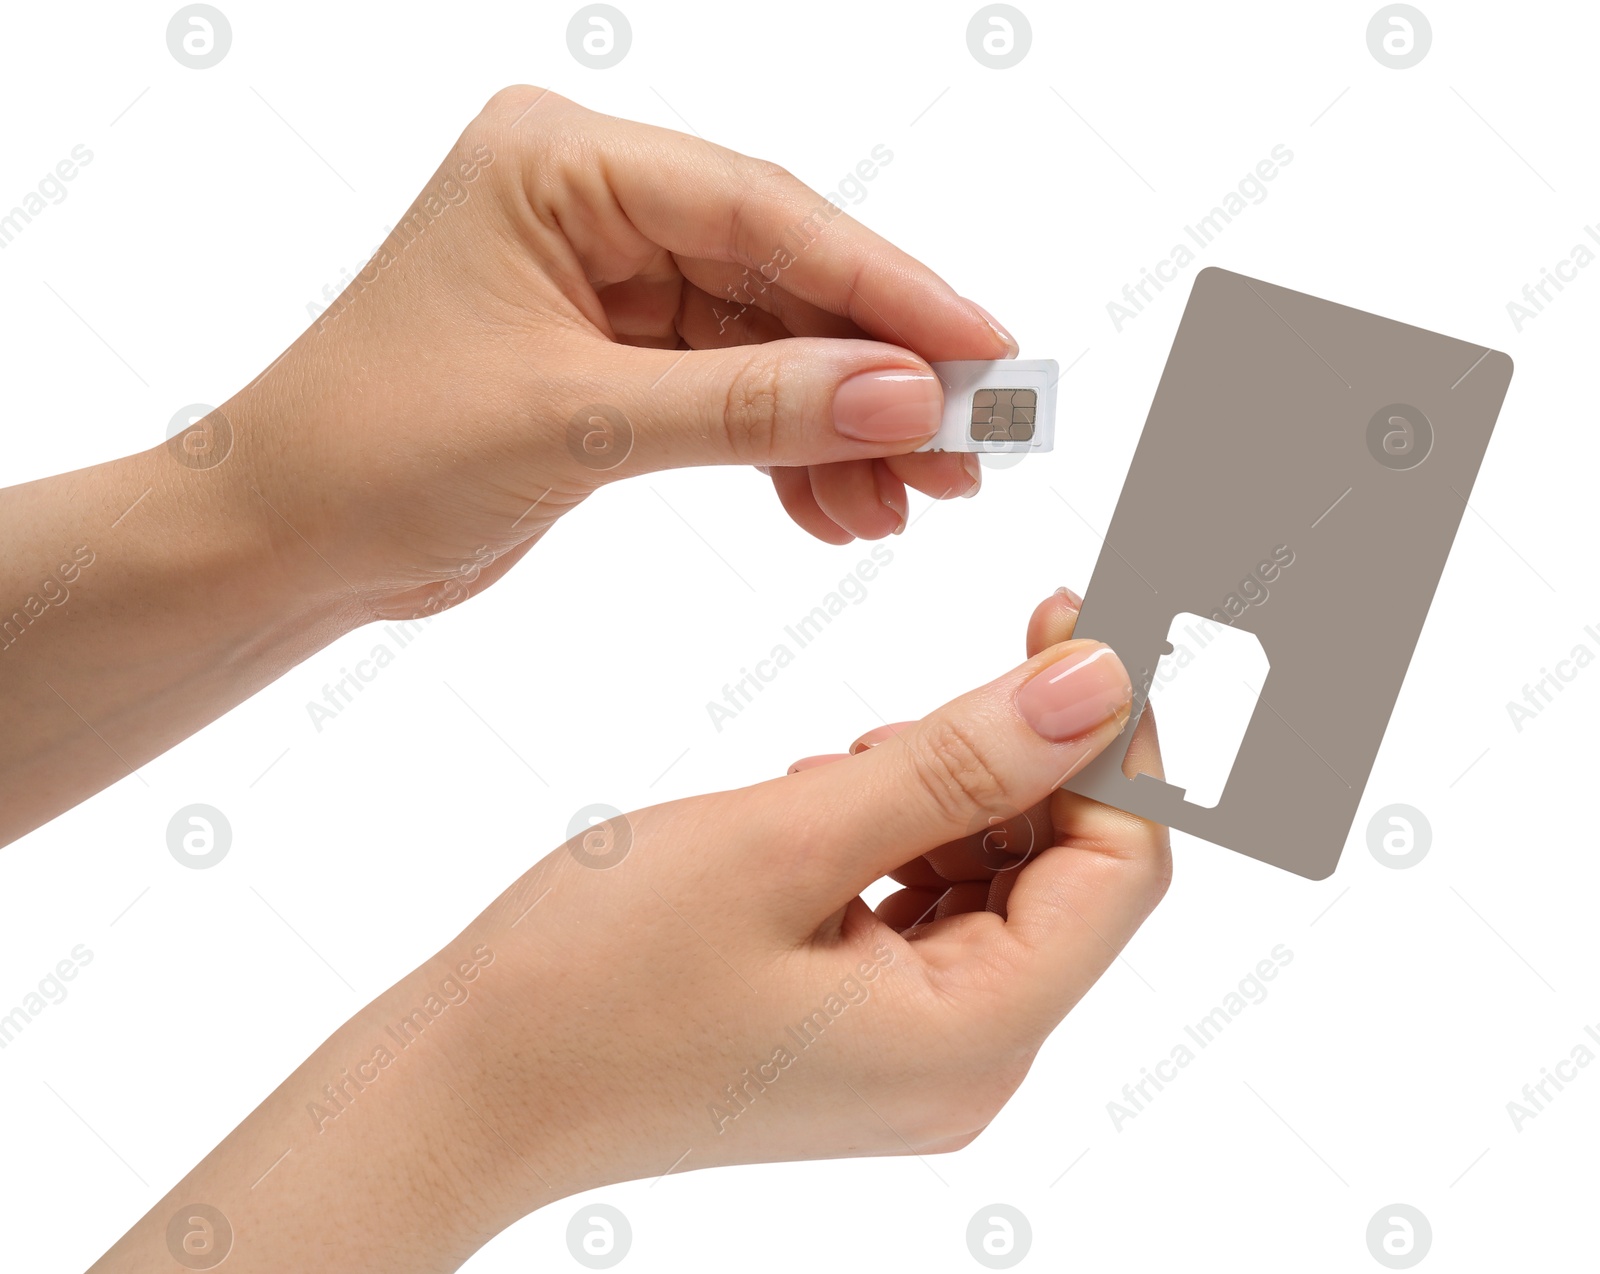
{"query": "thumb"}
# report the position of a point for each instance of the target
(985, 756)
(797, 401)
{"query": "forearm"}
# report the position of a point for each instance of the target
(376, 1154)
(139, 600)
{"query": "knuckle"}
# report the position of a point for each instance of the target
(949, 764)
(751, 408)
(512, 102)
(1135, 858)
(771, 174)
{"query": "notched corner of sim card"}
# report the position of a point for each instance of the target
(997, 407)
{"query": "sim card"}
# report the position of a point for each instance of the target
(1004, 406)
(1348, 442)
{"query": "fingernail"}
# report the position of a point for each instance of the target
(1076, 694)
(969, 462)
(1073, 600)
(812, 762)
(888, 406)
(892, 496)
(1010, 340)
(879, 734)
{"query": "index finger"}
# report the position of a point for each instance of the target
(698, 199)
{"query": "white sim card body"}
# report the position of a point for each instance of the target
(1004, 406)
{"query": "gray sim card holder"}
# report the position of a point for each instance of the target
(1285, 420)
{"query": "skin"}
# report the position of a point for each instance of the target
(571, 315)
(433, 424)
(620, 1001)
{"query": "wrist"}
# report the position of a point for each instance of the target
(375, 1144)
(404, 1084)
(175, 611)
(386, 504)
(267, 491)
(207, 544)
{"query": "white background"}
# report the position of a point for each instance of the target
(1418, 1002)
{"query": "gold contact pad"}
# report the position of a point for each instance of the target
(1003, 415)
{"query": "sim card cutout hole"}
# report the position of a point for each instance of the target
(1272, 440)
(1204, 692)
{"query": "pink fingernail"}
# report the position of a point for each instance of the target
(974, 469)
(880, 734)
(1076, 694)
(888, 406)
(812, 762)
(1073, 600)
(893, 497)
(1010, 340)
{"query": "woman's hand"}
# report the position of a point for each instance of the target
(575, 298)
(699, 983)
(572, 299)
(774, 1016)
(978, 871)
